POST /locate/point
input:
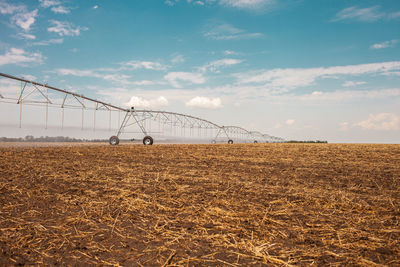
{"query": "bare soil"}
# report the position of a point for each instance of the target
(196, 205)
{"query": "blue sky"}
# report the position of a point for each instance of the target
(299, 69)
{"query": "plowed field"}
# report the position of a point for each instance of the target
(185, 205)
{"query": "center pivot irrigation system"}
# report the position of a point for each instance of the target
(151, 124)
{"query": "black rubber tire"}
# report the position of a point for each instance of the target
(230, 141)
(213, 142)
(114, 140)
(147, 141)
(255, 142)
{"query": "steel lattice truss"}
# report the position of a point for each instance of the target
(148, 123)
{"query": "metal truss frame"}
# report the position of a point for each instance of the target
(140, 117)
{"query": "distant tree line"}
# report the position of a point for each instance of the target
(50, 139)
(314, 142)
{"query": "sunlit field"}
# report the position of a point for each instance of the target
(185, 205)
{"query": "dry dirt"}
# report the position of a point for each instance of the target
(192, 205)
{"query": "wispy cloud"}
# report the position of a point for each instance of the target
(368, 14)
(175, 78)
(204, 102)
(394, 15)
(226, 31)
(282, 80)
(20, 57)
(49, 3)
(248, 4)
(381, 122)
(55, 6)
(349, 95)
(170, 2)
(26, 36)
(177, 58)
(352, 83)
(386, 44)
(107, 74)
(230, 53)
(253, 5)
(113, 77)
(60, 10)
(6, 8)
(146, 82)
(49, 42)
(214, 66)
(149, 65)
(64, 28)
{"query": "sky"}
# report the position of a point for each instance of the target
(297, 69)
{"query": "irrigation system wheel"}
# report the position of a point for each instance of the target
(114, 140)
(230, 141)
(147, 140)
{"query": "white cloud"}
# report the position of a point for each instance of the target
(230, 52)
(255, 5)
(394, 15)
(139, 102)
(290, 122)
(282, 80)
(215, 65)
(49, 3)
(352, 83)
(335, 96)
(22, 18)
(6, 8)
(25, 19)
(248, 4)
(107, 75)
(384, 44)
(171, 2)
(60, 10)
(49, 42)
(26, 36)
(76, 72)
(174, 78)
(380, 122)
(64, 28)
(317, 93)
(114, 77)
(145, 82)
(20, 57)
(149, 65)
(178, 59)
(204, 102)
(200, 3)
(226, 31)
(369, 14)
